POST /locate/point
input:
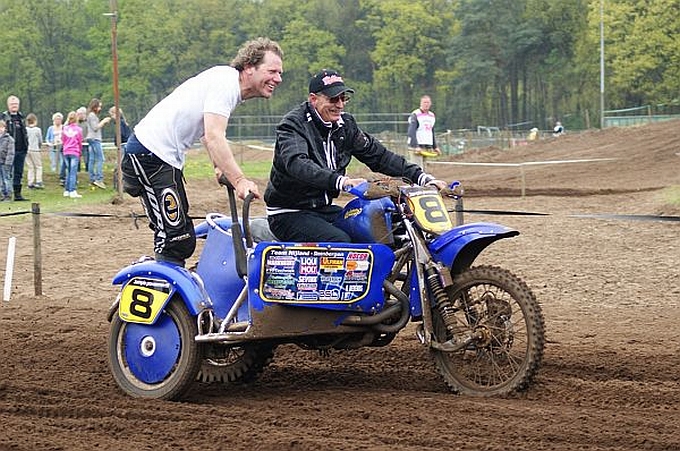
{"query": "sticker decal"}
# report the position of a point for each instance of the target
(171, 206)
(315, 275)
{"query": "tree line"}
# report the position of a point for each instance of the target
(504, 63)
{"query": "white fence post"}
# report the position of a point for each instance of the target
(9, 269)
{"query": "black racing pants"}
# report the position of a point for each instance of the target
(161, 189)
(308, 225)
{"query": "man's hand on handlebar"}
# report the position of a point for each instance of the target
(245, 186)
(349, 183)
(242, 187)
(439, 184)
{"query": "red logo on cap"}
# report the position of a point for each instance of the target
(330, 79)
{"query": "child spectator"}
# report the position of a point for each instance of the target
(34, 157)
(72, 144)
(6, 163)
(53, 139)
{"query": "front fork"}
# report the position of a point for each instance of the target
(436, 278)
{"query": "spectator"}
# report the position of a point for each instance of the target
(124, 127)
(6, 162)
(533, 134)
(315, 142)
(82, 122)
(72, 138)
(53, 140)
(16, 127)
(421, 139)
(34, 159)
(200, 107)
(94, 142)
(558, 130)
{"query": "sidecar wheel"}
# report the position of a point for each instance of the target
(158, 361)
(500, 311)
(238, 364)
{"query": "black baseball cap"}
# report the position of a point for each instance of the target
(329, 83)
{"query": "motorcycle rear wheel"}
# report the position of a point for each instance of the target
(232, 365)
(499, 309)
(157, 361)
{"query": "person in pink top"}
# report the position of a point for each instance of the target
(72, 142)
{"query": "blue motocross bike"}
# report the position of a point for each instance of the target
(222, 320)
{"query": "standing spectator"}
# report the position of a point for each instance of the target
(558, 130)
(16, 127)
(533, 134)
(72, 138)
(197, 109)
(53, 140)
(34, 159)
(85, 152)
(95, 164)
(124, 127)
(421, 137)
(6, 162)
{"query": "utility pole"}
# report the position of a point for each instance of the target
(602, 64)
(116, 93)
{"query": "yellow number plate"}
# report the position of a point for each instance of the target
(430, 212)
(142, 299)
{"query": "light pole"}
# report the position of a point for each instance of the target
(116, 93)
(601, 64)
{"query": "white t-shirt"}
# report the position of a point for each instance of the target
(176, 122)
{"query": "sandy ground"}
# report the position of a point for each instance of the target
(610, 291)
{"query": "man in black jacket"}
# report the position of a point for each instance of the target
(315, 143)
(16, 127)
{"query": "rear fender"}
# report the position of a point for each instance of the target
(170, 279)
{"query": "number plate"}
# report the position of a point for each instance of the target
(430, 212)
(142, 299)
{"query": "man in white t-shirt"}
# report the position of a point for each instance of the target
(198, 109)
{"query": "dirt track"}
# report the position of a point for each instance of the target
(610, 292)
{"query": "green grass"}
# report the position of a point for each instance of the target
(198, 166)
(671, 196)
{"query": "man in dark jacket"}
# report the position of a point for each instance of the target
(315, 143)
(16, 127)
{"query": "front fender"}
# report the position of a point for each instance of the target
(457, 249)
(460, 246)
(182, 281)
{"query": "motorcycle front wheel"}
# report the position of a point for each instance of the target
(498, 317)
(156, 361)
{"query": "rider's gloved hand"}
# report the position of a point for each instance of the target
(348, 183)
(439, 184)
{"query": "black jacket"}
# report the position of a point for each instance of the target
(310, 159)
(16, 127)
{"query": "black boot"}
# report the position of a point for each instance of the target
(17, 193)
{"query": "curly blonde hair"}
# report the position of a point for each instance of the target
(252, 53)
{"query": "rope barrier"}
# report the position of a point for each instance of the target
(621, 217)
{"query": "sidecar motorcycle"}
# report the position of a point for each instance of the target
(221, 321)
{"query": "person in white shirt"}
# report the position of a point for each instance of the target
(421, 138)
(198, 109)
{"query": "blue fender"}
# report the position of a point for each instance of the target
(458, 248)
(181, 280)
